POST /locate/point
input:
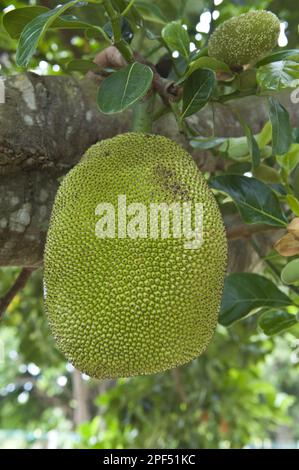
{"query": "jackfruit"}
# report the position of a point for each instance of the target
(120, 306)
(244, 39)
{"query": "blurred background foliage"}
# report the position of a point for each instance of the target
(242, 392)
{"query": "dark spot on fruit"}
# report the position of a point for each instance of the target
(168, 181)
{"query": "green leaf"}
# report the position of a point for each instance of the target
(176, 38)
(96, 32)
(273, 322)
(289, 160)
(244, 293)
(206, 63)
(198, 89)
(293, 203)
(209, 63)
(277, 56)
(253, 147)
(254, 150)
(151, 12)
(81, 65)
(281, 128)
(278, 75)
(123, 88)
(295, 132)
(290, 273)
(35, 30)
(207, 143)
(15, 20)
(265, 136)
(256, 202)
(72, 22)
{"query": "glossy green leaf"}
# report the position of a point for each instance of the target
(293, 203)
(151, 12)
(267, 173)
(15, 20)
(253, 147)
(209, 63)
(281, 128)
(239, 168)
(123, 88)
(198, 89)
(176, 38)
(295, 132)
(289, 160)
(265, 136)
(278, 56)
(35, 30)
(206, 63)
(275, 321)
(255, 200)
(278, 75)
(98, 33)
(72, 22)
(244, 293)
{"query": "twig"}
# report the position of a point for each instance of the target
(16, 287)
(128, 8)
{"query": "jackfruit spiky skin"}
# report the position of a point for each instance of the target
(120, 307)
(245, 38)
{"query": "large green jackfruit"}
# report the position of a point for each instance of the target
(245, 38)
(122, 306)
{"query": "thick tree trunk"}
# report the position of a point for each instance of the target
(46, 124)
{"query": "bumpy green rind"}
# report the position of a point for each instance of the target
(124, 307)
(245, 38)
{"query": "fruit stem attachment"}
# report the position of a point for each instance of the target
(142, 120)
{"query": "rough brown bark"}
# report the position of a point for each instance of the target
(46, 124)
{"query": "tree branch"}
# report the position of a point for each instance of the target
(20, 282)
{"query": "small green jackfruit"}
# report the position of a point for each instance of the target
(121, 306)
(244, 39)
